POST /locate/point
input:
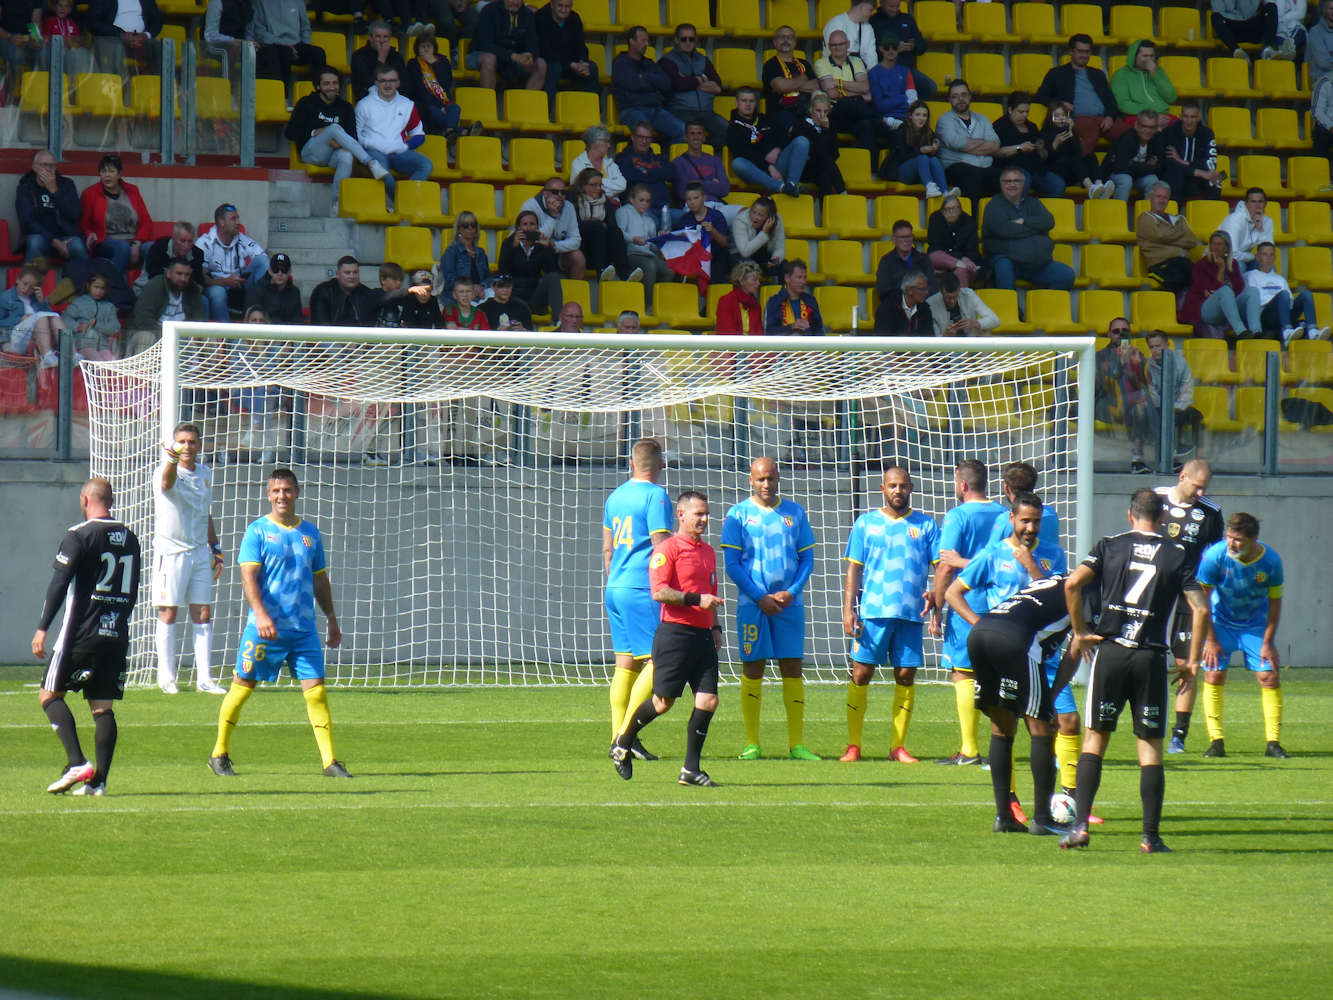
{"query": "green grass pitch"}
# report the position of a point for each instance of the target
(486, 848)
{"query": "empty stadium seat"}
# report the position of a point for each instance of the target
(1181, 28)
(528, 110)
(677, 305)
(937, 21)
(643, 12)
(1231, 126)
(478, 199)
(843, 262)
(1205, 217)
(436, 149)
(985, 22)
(1083, 18)
(1028, 69)
(1250, 410)
(596, 17)
(736, 67)
(146, 97)
(478, 159)
(409, 247)
(614, 297)
(531, 160)
(1311, 360)
(796, 13)
(35, 97)
(854, 163)
(1209, 361)
(890, 208)
(1035, 24)
(334, 44)
(693, 12)
(1155, 311)
(99, 94)
(1107, 221)
(477, 104)
(838, 307)
(362, 199)
(1104, 265)
(271, 102)
(1309, 176)
(579, 291)
(1005, 303)
(1132, 22)
(576, 111)
(1184, 73)
(741, 19)
(936, 66)
(1260, 171)
(1276, 78)
(1097, 308)
(212, 98)
(845, 216)
(1311, 267)
(418, 202)
(798, 216)
(1065, 229)
(1048, 310)
(1229, 77)
(984, 71)
(1308, 221)
(1211, 402)
(1252, 361)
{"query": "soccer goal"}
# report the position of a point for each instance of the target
(458, 478)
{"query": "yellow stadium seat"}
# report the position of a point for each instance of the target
(212, 98)
(1129, 23)
(1065, 230)
(1252, 361)
(1322, 396)
(271, 102)
(1048, 311)
(845, 216)
(516, 194)
(1035, 24)
(1308, 176)
(854, 163)
(843, 262)
(1211, 402)
(1311, 360)
(992, 110)
(1229, 77)
(646, 13)
(334, 44)
(36, 96)
(1097, 308)
(418, 202)
(937, 21)
(597, 56)
(100, 94)
(294, 160)
(677, 305)
(1276, 78)
(1085, 18)
(527, 110)
(579, 291)
(1028, 69)
(1181, 28)
(596, 17)
(1205, 217)
(479, 199)
(889, 208)
(1309, 222)
(991, 408)
(362, 199)
(805, 250)
(1231, 126)
(985, 22)
(936, 66)
(569, 152)
(693, 12)
(614, 297)
(1209, 361)
(1104, 265)
(1005, 303)
(176, 32)
(478, 159)
(409, 247)
(1155, 311)
(716, 290)
(531, 160)
(1183, 72)
(736, 67)
(477, 104)
(796, 14)
(1311, 267)
(741, 19)
(1260, 171)
(576, 111)
(146, 98)
(436, 149)
(838, 306)
(798, 216)
(1107, 222)
(984, 71)
(1250, 409)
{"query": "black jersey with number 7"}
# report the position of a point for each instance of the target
(1142, 575)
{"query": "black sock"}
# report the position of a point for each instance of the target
(1001, 760)
(104, 736)
(1089, 779)
(694, 739)
(1152, 790)
(1182, 726)
(1043, 778)
(643, 715)
(62, 721)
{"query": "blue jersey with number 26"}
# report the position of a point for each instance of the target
(633, 511)
(288, 559)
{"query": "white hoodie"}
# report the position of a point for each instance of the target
(1244, 236)
(386, 126)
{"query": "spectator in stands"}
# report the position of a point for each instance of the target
(1119, 378)
(559, 223)
(61, 22)
(638, 226)
(560, 39)
(1085, 94)
(903, 312)
(1291, 34)
(892, 86)
(1165, 241)
(169, 296)
(1248, 225)
(694, 166)
(1217, 293)
(1015, 233)
(694, 83)
(843, 77)
(179, 244)
(571, 318)
(792, 311)
(738, 310)
(343, 300)
(757, 236)
(115, 220)
(968, 144)
(505, 46)
(597, 154)
(356, 8)
(465, 254)
(821, 165)
(390, 129)
(640, 163)
(890, 17)
(503, 311)
(528, 255)
(1254, 21)
(600, 238)
(277, 294)
(1191, 156)
(323, 127)
(1136, 156)
(27, 324)
(460, 312)
(855, 26)
(14, 37)
(628, 322)
(1142, 85)
(378, 51)
(229, 24)
(48, 210)
(1319, 42)
(1145, 418)
(641, 88)
(414, 308)
(913, 156)
(1065, 157)
(761, 153)
(951, 241)
(700, 215)
(1321, 115)
(902, 260)
(94, 320)
(788, 80)
(429, 81)
(455, 20)
(232, 261)
(1021, 147)
(957, 311)
(282, 30)
(124, 27)
(1280, 309)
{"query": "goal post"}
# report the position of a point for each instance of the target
(458, 477)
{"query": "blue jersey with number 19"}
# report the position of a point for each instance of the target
(768, 542)
(633, 511)
(896, 553)
(288, 559)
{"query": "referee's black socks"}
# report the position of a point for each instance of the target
(643, 715)
(104, 736)
(1152, 790)
(1089, 776)
(62, 721)
(694, 738)
(1001, 761)
(1043, 777)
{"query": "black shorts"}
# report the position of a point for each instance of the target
(1006, 675)
(1119, 674)
(683, 654)
(100, 676)
(1182, 630)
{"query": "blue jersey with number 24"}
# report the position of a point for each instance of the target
(633, 511)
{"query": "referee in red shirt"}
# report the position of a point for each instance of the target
(682, 575)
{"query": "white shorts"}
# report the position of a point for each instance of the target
(181, 578)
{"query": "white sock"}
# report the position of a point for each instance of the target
(203, 653)
(166, 653)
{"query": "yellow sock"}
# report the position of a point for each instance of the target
(622, 683)
(1067, 749)
(1272, 699)
(643, 690)
(1212, 709)
(968, 716)
(228, 714)
(904, 697)
(317, 707)
(752, 697)
(793, 697)
(856, 710)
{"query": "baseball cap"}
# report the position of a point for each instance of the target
(280, 263)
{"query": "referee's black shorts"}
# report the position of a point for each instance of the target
(99, 676)
(683, 654)
(1005, 674)
(1122, 674)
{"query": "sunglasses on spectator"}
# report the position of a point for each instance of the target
(467, 225)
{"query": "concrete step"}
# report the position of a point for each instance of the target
(288, 209)
(314, 257)
(326, 242)
(315, 225)
(293, 191)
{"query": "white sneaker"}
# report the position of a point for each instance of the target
(73, 775)
(377, 170)
(1288, 49)
(1108, 191)
(1322, 333)
(95, 791)
(608, 273)
(892, 123)
(374, 461)
(267, 457)
(416, 29)
(1288, 335)
(1268, 53)
(169, 688)
(1242, 54)
(635, 275)
(933, 190)
(954, 192)
(50, 360)
(210, 687)
(333, 212)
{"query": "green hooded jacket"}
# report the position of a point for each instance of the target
(1136, 91)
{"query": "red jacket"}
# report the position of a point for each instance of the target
(93, 222)
(1203, 284)
(729, 310)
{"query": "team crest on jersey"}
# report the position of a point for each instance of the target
(914, 533)
(107, 626)
(1173, 529)
(657, 560)
(1196, 514)
(1260, 577)
(1045, 565)
(747, 647)
(788, 520)
(308, 542)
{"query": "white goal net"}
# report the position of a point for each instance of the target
(458, 479)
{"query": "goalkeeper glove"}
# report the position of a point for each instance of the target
(217, 560)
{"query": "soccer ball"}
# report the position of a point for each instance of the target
(1062, 808)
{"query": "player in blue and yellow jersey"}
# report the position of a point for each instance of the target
(1020, 477)
(1243, 580)
(637, 517)
(885, 597)
(769, 548)
(966, 531)
(283, 575)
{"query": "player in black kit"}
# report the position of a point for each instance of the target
(1008, 647)
(1142, 576)
(97, 579)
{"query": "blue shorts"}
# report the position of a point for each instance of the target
(1064, 698)
(953, 655)
(770, 637)
(634, 617)
(261, 659)
(1249, 641)
(894, 641)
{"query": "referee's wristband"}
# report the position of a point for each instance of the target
(717, 628)
(692, 600)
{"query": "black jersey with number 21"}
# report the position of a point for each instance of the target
(1142, 575)
(97, 577)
